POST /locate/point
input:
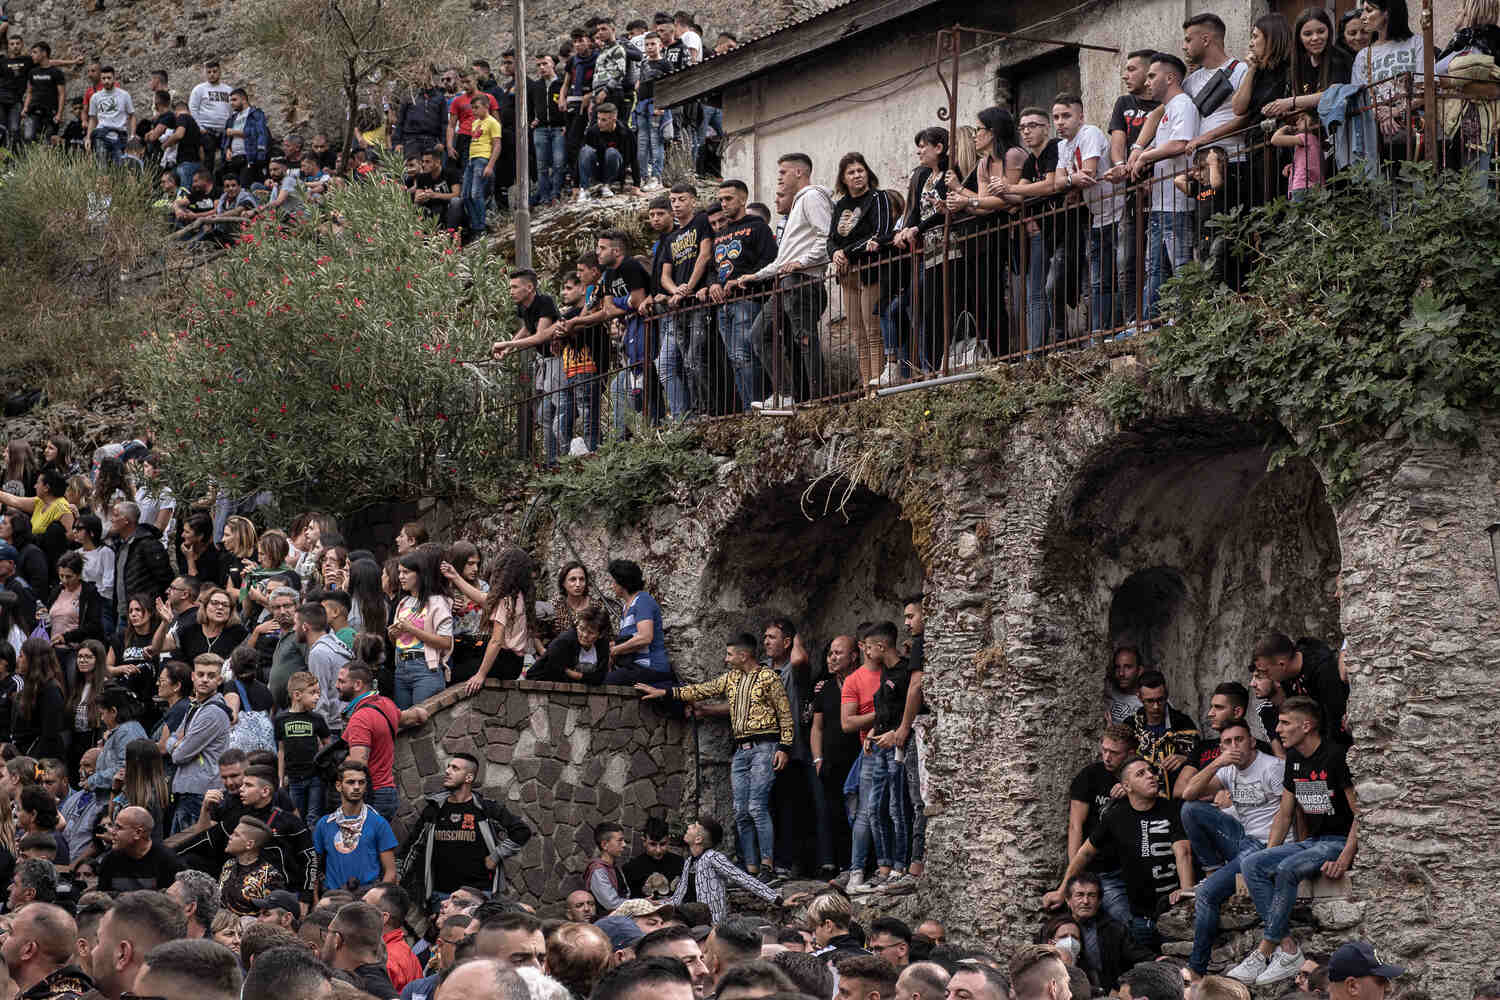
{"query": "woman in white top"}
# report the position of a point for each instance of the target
(1393, 53)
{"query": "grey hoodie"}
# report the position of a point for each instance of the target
(324, 658)
(195, 748)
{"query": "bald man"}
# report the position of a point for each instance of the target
(483, 979)
(37, 951)
(134, 861)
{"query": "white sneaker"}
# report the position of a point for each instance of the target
(856, 883)
(1281, 967)
(583, 197)
(871, 887)
(891, 376)
(1249, 970)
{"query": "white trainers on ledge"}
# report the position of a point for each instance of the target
(1249, 969)
(1281, 967)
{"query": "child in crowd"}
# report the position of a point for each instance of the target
(1203, 182)
(300, 734)
(1305, 139)
(653, 125)
(247, 876)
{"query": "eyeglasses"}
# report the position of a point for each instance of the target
(220, 604)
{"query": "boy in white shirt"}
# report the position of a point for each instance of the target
(1169, 236)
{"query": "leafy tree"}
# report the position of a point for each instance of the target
(327, 362)
(1372, 308)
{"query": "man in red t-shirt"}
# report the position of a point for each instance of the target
(370, 724)
(461, 117)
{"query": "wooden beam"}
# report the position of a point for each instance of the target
(778, 49)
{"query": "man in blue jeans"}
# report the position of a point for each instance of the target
(1317, 793)
(1227, 811)
(743, 245)
(760, 721)
(111, 119)
(1169, 234)
(370, 724)
(196, 745)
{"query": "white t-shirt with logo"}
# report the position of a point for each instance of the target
(1091, 143)
(112, 108)
(1232, 145)
(1179, 121)
(1256, 792)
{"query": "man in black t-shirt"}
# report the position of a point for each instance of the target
(538, 317)
(133, 861)
(1145, 833)
(686, 253)
(1308, 667)
(463, 839)
(1094, 790)
(42, 108)
(654, 860)
(184, 135)
(1317, 801)
(835, 751)
(743, 246)
(438, 190)
(1125, 122)
(15, 73)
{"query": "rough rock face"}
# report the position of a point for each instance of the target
(564, 757)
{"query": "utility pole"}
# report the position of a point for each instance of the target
(523, 143)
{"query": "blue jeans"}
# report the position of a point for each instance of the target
(1169, 246)
(475, 190)
(1038, 303)
(736, 320)
(682, 362)
(882, 811)
(1102, 277)
(307, 796)
(550, 144)
(713, 121)
(1217, 839)
(750, 776)
(588, 167)
(109, 145)
(581, 401)
(1272, 877)
(414, 682)
(1127, 267)
(185, 813)
(1115, 899)
(651, 139)
(383, 801)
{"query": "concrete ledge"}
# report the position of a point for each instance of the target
(1312, 888)
(451, 696)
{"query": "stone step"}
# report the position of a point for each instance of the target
(1312, 888)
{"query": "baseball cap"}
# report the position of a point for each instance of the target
(8, 551)
(1356, 959)
(643, 908)
(279, 899)
(622, 931)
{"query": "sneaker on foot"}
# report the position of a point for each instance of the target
(582, 199)
(1281, 967)
(873, 885)
(850, 882)
(1250, 968)
(891, 376)
(899, 884)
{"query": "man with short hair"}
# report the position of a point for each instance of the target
(289, 850)
(354, 844)
(801, 256)
(469, 836)
(202, 970)
(35, 879)
(676, 941)
(656, 859)
(1107, 947)
(438, 190)
(41, 109)
(234, 203)
(137, 922)
(36, 951)
(353, 945)
(1169, 239)
(890, 938)
(1318, 796)
(483, 979)
(1095, 789)
(603, 877)
(865, 977)
(195, 747)
(370, 724)
(977, 981)
(247, 877)
(111, 119)
(1355, 973)
(1229, 701)
(211, 108)
(923, 981)
(731, 943)
(834, 750)
(135, 861)
(513, 938)
(577, 955)
(743, 246)
(1308, 667)
(1039, 972)
(687, 251)
(762, 727)
(1142, 831)
(829, 916)
(393, 902)
(79, 806)
(1165, 737)
(607, 154)
(1222, 837)
(246, 144)
(15, 72)
(1151, 981)
(1203, 48)
(141, 565)
(1083, 161)
(287, 972)
(1126, 120)
(197, 895)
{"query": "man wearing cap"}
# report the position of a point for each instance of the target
(648, 916)
(279, 907)
(1354, 973)
(473, 834)
(623, 933)
(24, 610)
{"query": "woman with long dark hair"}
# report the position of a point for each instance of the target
(1001, 156)
(575, 595)
(174, 691)
(98, 565)
(57, 454)
(639, 652)
(117, 710)
(20, 466)
(144, 784)
(508, 607)
(1352, 37)
(369, 608)
(863, 224)
(10, 683)
(922, 231)
(1317, 63)
(201, 558)
(111, 484)
(469, 593)
(1394, 53)
(40, 726)
(422, 630)
(132, 658)
(83, 698)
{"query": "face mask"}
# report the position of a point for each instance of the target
(1069, 944)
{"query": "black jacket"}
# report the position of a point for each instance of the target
(147, 569)
(423, 115)
(562, 654)
(1118, 951)
(502, 831)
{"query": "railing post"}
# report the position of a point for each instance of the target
(1140, 255)
(1430, 130)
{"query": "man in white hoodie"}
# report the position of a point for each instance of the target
(801, 259)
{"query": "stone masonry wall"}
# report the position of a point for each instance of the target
(564, 756)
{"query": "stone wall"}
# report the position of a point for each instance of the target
(565, 757)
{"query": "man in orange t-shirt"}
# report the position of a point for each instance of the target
(871, 824)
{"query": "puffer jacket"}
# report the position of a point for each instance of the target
(146, 569)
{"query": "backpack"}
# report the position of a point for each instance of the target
(332, 757)
(254, 730)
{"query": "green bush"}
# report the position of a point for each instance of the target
(326, 363)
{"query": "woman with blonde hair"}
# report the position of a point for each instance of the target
(239, 552)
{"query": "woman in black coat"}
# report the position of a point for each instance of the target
(578, 656)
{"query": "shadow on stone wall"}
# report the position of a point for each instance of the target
(564, 757)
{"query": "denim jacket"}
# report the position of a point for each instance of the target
(257, 137)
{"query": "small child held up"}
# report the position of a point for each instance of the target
(1305, 139)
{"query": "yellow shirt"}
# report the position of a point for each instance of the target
(486, 137)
